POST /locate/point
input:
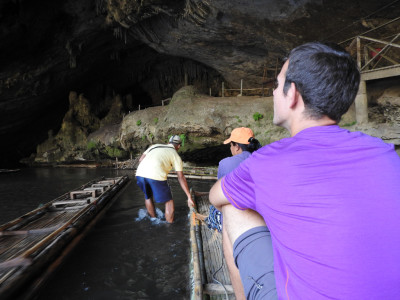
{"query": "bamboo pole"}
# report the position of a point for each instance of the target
(198, 286)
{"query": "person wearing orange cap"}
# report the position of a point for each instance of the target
(242, 145)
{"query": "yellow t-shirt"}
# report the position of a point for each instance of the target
(159, 160)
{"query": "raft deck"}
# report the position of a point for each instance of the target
(208, 262)
(34, 245)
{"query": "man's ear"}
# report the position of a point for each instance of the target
(293, 95)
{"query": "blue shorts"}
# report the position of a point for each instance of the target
(156, 189)
(253, 256)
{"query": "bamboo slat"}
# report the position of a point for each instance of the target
(214, 261)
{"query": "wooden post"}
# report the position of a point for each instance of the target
(139, 106)
(223, 90)
(241, 87)
(361, 103)
(210, 92)
(359, 52)
(366, 57)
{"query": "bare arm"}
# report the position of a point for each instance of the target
(142, 157)
(185, 187)
(217, 197)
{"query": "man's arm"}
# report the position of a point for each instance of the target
(217, 197)
(142, 157)
(185, 187)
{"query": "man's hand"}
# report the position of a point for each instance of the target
(190, 202)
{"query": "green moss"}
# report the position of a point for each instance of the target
(139, 122)
(91, 145)
(155, 120)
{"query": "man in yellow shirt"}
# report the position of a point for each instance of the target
(151, 175)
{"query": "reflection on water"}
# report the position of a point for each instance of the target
(127, 255)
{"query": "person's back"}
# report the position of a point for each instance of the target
(151, 176)
(336, 224)
(158, 161)
(329, 197)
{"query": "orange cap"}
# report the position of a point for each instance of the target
(240, 135)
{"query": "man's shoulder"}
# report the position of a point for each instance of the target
(161, 146)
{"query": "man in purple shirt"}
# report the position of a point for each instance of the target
(330, 198)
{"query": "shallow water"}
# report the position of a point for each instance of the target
(127, 255)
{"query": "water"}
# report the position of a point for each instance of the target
(127, 255)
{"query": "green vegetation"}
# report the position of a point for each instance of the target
(114, 152)
(143, 137)
(92, 145)
(155, 120)
(183, 138)
(151, 136)
(257, 116)
(349, 124)
(139, 122)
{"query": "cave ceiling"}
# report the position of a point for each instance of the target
(147, 48)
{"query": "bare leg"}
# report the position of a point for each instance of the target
(169, 211)
(235, 223)
(233, 270)
(150, 207)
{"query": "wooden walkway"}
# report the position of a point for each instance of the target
(210, 273)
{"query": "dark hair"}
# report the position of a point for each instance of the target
(253, 146)
(326, 76)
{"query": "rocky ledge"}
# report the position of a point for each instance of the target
(202, 121)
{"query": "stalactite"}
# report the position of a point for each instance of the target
(197, 11)
(100, 7)
(117, 32)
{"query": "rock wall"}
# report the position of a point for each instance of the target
(204, 122)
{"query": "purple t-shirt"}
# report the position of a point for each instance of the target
(229, 164)
(331, 199)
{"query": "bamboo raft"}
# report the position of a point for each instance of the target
(210, 276)
(197, 172)
(34, 245)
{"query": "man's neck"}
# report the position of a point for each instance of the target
(307, 123)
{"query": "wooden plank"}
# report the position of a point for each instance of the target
(217, 289)
(84, 201)
(74, 193)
